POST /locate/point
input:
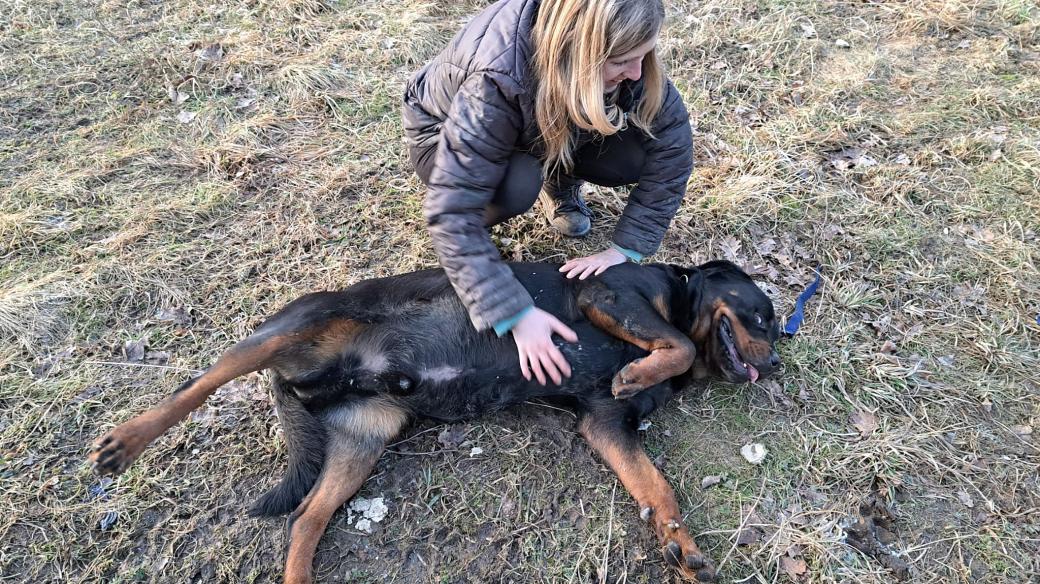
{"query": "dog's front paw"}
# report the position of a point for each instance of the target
(115, 451)
(682, 553)
(629, 381)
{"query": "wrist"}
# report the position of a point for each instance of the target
(626, 253)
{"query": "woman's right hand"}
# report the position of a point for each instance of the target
(538, 355)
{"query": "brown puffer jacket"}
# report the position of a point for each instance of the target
(475, 104)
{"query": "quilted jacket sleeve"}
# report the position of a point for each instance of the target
(477, 139)
(655, 199)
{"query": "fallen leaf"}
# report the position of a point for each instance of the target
(177, 97)
(754, 453)
(795, 568)
(748, 536)
(134, 350)
(842, 44)
(730, 247)
(711, 480)
(451, 436)
(902, 159)
(766, 246)
(888, 348)
(808, 30)
(210, 54)
(1022, 430)
(186, 117)
(476, 451)
(108, 520)
(966, 499)
(864, 421)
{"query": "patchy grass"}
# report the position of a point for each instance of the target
(172, 173)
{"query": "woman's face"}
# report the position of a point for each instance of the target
(628, 66)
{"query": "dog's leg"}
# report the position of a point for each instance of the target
(619, 445)
(114, 451)
(358, 434)
(634, 320)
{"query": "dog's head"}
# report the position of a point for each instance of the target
(733, 324)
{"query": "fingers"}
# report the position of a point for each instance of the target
(565, 332)
(589, 269)
(560, 364)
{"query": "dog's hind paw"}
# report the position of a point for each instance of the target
(115, 451)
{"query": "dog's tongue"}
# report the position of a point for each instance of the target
(752, 373)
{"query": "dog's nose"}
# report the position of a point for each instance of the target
(774, 359)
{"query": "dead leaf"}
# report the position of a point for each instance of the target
(711, 480)
(902, 159)
(749, 536)
(134, 350)
(157, 357)
(754, 453)
(1022, 430)
(451, 436)
(177, 97)
(766, 246)
(730, 247)
(186, 117)
(966, 499)
(851, 157)
(795, 568)
(888, 348)
(842, 44)
(864, 421)
(808, 30)
(210, 54)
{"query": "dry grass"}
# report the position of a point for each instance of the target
(171, 173)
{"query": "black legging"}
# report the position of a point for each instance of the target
(611, 162)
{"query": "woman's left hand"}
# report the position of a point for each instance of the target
(593, 265)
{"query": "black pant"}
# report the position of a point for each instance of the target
(611, 162)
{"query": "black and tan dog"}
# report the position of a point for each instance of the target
(351, 368)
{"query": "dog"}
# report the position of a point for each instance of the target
(352, 367)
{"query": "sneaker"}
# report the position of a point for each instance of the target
(567, 211)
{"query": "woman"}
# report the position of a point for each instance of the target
(545, 93)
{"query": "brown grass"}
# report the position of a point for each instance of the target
(120, 224)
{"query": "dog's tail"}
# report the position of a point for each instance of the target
(305, 440)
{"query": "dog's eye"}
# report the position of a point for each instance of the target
(758, 319)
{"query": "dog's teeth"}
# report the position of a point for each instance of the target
(673, 525)
(646, 513)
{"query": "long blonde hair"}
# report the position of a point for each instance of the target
(573, 39)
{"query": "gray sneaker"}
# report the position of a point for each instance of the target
(566, 210)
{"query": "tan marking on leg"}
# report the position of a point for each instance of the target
(669, 356)
(661, 305)
(114, 451)
(655, 498)
(357, 436)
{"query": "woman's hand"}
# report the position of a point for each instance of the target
(593, 265)
(538, 354)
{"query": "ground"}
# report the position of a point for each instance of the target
(173, 172)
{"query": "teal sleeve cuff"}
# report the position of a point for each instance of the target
(504, 326)
(634, 256)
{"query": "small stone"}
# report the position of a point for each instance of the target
(754, 453)
(842, 44)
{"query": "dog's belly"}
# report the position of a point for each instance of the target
(452, 391)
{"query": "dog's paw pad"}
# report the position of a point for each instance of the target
(110, 456)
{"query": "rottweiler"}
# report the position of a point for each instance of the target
(350, 368)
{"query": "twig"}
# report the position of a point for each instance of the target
(196, 371)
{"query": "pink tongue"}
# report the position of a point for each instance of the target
(751, 372)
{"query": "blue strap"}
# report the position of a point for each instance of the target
(795, 320)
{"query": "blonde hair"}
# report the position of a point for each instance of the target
(573, 39)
